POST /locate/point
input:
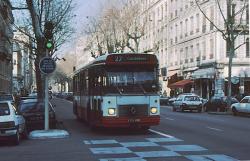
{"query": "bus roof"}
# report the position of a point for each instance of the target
(110, 59)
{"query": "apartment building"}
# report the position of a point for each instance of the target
(23, 63)
(192, 52)
(6, 35)
(197, 51)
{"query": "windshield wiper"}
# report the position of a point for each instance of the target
(118, 89)
(143, 90)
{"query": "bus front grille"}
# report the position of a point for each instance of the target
(133, 110)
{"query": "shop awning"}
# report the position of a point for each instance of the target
(180, 84)
(204, 73)
(171, 73)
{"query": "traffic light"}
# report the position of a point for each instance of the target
(50, 92)
(48, 34)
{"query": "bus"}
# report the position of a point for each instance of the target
(118, 90)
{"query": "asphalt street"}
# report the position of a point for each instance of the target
(180, 136)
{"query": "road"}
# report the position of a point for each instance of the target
(181, 136)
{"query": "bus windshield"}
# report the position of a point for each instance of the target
(140, 81)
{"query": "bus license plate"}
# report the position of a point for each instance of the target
(134, 120)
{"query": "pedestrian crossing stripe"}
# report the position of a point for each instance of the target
(214, 157)
(123, 159)
(138, 144)
(111, 150)
(159, 140)
(96, 142)
(184, 148)
(157, 154)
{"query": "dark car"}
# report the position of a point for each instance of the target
(33, 112)
(218, 104)
(164, 100)
(7, 97)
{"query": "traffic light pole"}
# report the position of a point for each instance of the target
(46, 100)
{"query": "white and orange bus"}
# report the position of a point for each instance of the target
(118, 90)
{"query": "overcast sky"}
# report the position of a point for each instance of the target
(82, 10)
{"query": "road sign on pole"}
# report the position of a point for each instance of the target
(47, 65)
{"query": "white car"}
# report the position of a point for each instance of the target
(187, 102)
(242, 107)
(12, 125)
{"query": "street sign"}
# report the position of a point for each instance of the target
(47, 65)
(235, 80)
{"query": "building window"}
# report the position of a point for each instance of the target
(211, 18)
(247, 48)
(247, 14)
(211, 49)
(204, 24)
(204, 50)
(186, 27)
(197, 22)
(191, 25)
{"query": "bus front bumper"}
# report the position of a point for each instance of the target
(130, 121)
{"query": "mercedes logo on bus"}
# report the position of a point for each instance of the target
(132, 110)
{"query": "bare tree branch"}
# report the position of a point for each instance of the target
(240, 45)
(221, 31)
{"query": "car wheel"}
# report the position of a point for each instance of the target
(182, 109)
(25, 133)
(235, 112)
(174, 109)
(17, 138)
(199, 109)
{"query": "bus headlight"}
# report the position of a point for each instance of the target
(153, 110)
(111, 111)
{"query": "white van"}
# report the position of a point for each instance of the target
(12, 125)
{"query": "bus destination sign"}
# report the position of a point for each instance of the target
(131, 59)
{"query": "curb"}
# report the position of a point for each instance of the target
(48, 134)
(220, 113)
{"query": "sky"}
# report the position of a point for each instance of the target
(82, 10)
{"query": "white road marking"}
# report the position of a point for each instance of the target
(212, 128)
(162, 134)
(168, 118)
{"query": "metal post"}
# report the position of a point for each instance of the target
(46, 101)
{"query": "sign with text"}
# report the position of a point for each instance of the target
(47, 65)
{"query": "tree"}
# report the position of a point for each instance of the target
(41, 11)
(234, 26)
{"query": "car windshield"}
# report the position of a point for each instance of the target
(32, 107)
(4, 109)
(6, 98)
(244, 100)
(192, 98)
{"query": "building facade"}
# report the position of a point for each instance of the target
(190, 48)
(6, 35)
(23, 63)
(198, 52)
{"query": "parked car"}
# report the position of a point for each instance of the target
(7, 97)
(171, 101)
(187, 102)
(33, 112)
(217, 103)
(12, 124)
(242, 107)
(164, 100)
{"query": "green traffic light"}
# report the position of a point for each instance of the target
(49, 45)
